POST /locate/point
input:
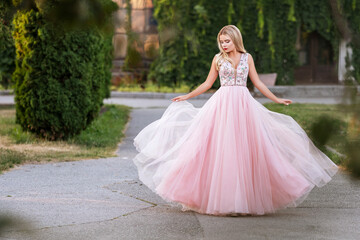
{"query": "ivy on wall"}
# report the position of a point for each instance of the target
(187, 34)
(316, 15)
(188, 30)
(271, 42)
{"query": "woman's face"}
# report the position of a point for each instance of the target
(226, 43)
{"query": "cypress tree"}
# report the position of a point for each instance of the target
(62, 74)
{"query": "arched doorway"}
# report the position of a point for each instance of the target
(316, 60)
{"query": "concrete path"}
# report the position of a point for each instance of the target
(103, 199)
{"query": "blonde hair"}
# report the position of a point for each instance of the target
(235, 35)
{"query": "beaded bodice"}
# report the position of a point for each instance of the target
(227, 72)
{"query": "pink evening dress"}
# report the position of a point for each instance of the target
(230, 156)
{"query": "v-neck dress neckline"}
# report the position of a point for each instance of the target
(241, 56)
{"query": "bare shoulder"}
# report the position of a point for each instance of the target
(215, 62)
(215, 58)
(249, 58)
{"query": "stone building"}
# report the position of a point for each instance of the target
(143, 25)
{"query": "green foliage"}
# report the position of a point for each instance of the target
(62, 75)
(316, 15)
(7, 49)
(185, 42)
(8, 158)
(327, 117)
(351, 11)
(353, 130)
(133, 57)
(150, 87)
(353, 162)
(323, 128)
(188, 44)
(19, 136)
(188, 30)
(107, 130)
(272, 41)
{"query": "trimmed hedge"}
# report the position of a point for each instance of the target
(62, 75)
(7, 49)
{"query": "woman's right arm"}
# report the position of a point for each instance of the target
(261, 86)
(204, 86)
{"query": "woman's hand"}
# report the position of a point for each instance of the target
(180, 98)
(283, 101)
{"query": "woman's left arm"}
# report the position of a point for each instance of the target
(261, 86)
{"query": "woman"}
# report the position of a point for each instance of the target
(233, 155)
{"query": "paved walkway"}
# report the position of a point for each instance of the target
(103, 199)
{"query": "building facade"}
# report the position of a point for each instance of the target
(143, 25)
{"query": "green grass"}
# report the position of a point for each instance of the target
(98, 140)
(151, 87)
(307, 115)
(8, 158)
(105, 131)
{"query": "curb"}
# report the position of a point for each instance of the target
(7, 104)
(308, 91)
(6, 92)
(154, 95)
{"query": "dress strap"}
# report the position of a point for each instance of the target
(245, 57)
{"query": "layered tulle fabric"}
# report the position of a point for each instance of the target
(232, 155)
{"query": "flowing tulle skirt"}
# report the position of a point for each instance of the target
(232, 155)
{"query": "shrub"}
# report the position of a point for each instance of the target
(7, 48)
(62, 74)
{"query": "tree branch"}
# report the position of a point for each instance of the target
(340, 21)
